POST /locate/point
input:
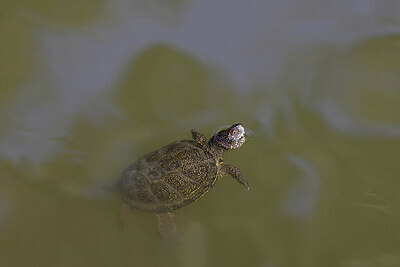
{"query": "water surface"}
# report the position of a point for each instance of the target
(88, 88)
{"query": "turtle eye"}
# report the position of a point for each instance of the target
(234, 132)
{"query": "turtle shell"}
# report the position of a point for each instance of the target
(169, 178)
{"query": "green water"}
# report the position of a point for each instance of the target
(322, 162)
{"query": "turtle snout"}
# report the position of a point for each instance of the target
(242, 131)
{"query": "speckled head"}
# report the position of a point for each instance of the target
(230, 138)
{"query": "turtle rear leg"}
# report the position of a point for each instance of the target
(167, 227)
(199, 137)
(122, 211)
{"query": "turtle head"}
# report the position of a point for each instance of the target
(230, 138)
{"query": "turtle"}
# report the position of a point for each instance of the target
(178, 174)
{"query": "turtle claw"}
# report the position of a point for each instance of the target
(243, 182)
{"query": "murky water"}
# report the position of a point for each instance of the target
(88, 87)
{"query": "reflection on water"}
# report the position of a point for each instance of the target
(302, 199)
(87, 88)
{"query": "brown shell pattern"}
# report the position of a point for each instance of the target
(169, 178)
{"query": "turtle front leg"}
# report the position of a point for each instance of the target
(235, 173)
(199, 137)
